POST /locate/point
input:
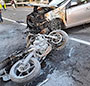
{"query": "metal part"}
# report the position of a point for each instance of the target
(58, 38)
(4, 75)
(25, 61)
(22, 68)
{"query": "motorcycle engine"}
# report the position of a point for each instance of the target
(40, 44)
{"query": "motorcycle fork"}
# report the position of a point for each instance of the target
(26, 60)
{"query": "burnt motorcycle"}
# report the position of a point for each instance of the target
(29, 67)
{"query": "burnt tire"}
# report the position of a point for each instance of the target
(26, 78)
(62, 39)
(56, 24)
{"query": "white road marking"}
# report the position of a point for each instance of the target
(80, 41)
(71, 38)
(42, 83)
(17, 10)
(14, 21)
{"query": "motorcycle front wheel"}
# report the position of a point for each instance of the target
(30, 72)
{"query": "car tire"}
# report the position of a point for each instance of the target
(56, 24)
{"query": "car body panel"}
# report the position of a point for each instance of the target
(59, 12)
(78, 15)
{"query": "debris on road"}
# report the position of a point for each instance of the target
(4, 75)
(71, 51)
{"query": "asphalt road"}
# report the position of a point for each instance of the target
(67, 67)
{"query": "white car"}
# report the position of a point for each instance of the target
(62, 13)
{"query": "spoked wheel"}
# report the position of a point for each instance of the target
(61, 39)
(20, 73)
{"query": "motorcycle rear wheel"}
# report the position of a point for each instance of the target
(61, 41)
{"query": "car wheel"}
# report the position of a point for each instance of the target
(56, 24)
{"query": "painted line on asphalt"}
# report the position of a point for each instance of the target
(71, 38)
(14, 21)
(80, 41)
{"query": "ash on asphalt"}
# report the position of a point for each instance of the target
(11, 39)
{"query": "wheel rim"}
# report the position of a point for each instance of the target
(64, 39)
(21, 71)
(58, 39)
